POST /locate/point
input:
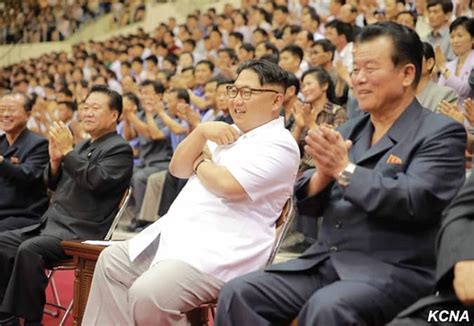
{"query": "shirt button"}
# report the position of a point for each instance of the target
(338, 225)
(333, 249)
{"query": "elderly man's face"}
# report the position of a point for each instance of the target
(378, 84)
(13, 117)
(97, 117)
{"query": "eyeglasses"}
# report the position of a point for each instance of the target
(8, 109)
(246, 92)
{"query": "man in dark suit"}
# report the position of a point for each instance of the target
(454, 268)
(23, 158)
(381, 184)
(88, 182)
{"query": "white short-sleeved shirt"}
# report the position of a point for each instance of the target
(222, 237)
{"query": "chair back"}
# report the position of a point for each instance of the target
(122, 206)
(282, 226)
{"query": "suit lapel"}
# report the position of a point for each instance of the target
(397, 131)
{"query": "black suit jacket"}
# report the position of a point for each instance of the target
(88, 189)
(22, 189)
(381, 229)
(455, 243)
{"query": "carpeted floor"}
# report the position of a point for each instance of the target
(65, 284)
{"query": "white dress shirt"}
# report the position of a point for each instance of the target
(223, 237)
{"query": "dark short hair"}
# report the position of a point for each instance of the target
(65, 91)
(407, 46)
(446, 5)
(247, 47)
(326, 45)
(268, 72)
(467, 23)
(323, 78)
(187, 69)
(428, 52)
(134, 98)
(292, 80)
(342, 29)
(261, 31)
(71, 105)
(314, 16)
(294, 29)
(237, 35)
(283, 9)
(181, 94)
(294, 50)
(230, 52)
(190, 41)
(152, 58)
(407, 12)
(157, 86)
(115, 99)
(206, 62)
(270, 46)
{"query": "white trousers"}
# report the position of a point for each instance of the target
(132, 293)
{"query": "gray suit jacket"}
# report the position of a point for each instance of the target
(433, 94)
(88, 189)
(381, 229)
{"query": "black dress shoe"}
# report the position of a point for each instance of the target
(137, 225)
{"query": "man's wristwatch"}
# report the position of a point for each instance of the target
(345, 176)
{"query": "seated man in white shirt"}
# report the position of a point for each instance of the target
(221, 225)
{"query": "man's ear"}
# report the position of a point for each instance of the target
(409, 72)
(277, 102)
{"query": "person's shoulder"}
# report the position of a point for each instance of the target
(116, 140)
(34, 138)
(437, 122)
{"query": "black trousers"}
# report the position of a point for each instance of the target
(23, 259)
(314, 297)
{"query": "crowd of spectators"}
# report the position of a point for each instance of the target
(54, 20)
(312, 41)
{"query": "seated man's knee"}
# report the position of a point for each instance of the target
(140, 176)
(323, 306)
(238, 287)
(106, 259)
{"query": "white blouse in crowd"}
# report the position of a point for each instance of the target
(222, 237)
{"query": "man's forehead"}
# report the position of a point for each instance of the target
(96, 98)
(247, 77)
(376, 49)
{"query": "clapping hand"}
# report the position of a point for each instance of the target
(328, 149)
(462, 284)
(451, 110)
(184, 112)
(469, 111)
(61, 138)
